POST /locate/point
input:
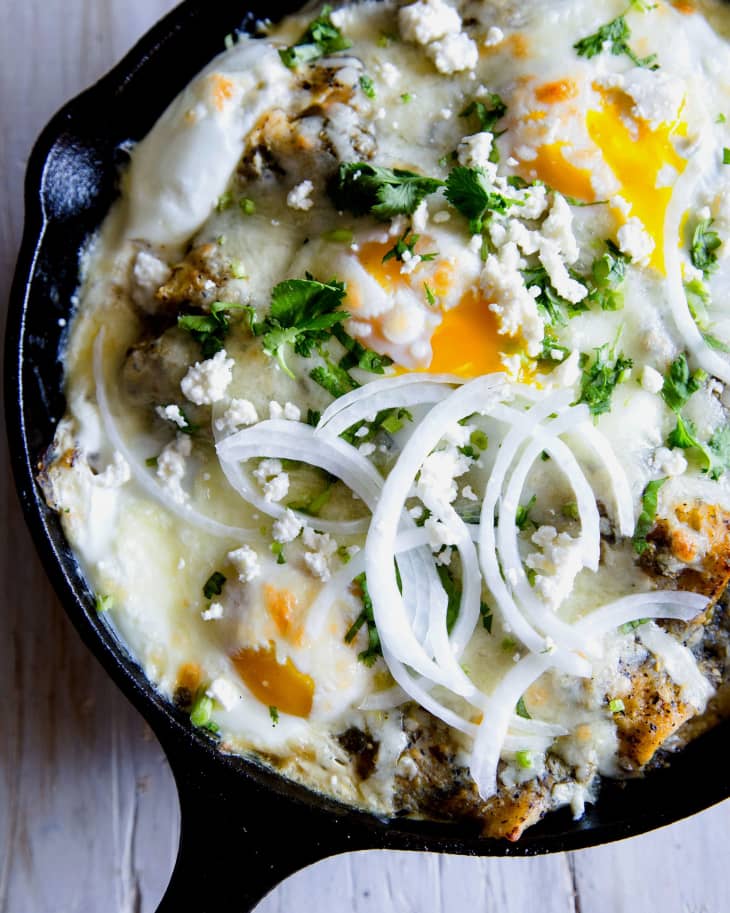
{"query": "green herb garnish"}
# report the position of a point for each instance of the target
(705, 243)
(524, 759)
(213, 586)
(364, 189)
(645, 522)
(616, 705)
(210, 330)
(374, 650)
(103, 603)
(680, 384)
(600, 378)
(487, 617)
(616, 33)
(201, 711)
(521, 710)
(470, 191)
(367, 85)
(487, 112)
(320, 39)
(453, 595)
(404, 245)
(522, 516)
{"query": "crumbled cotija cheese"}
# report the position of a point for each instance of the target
(206, 382)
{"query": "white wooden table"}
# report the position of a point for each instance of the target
(88, 812)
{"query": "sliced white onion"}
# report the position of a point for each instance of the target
(682, 195)
(514, 621)
(390, 613)
(297, 441)
(498, 710)
(367, 407)
(676, 604)
(679, 664)
(141, 474)
(384, 385)
(623, 501)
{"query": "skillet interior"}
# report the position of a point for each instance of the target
(246, 811)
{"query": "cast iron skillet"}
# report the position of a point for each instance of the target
(253, 826)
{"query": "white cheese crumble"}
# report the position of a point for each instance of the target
(495, 36)
(171, 467)
(453, 54)
(558, 564)
(246, 562)
(287, 527)
(657, 95)
(172, 413)
(224, 692)
(239, 412)
(635, 242)
(669, 462)
(651, 380)
(116, 473)
(321, 549)
(427, 20)
(419, 219)
(389, 73)
(438, 471)
(148, 274)
(474, 151)
(206, 382)
(288, 411)
(438, 533)
(299, 197)
(276, 488)
(511, 301)
(213, 612)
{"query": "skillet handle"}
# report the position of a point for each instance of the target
(240, 836)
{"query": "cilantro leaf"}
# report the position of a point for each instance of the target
(698, 297)
(333, 378)
(488, 112)
(646, 517)
(357, 356)
(719, 448)
(367, 85)
(470, 191)
(487, 617)
(705, 243)
(615, 33)
(302, 315)
(453, 595)
(552, 351)
(210, 330)
(608, 274)
(213, 586)
(374, 650)
(388, 420)
(321, 38)
(404, 245)
(521, 710)
(522, 516)
(600, 378)
(679, 384)
(554, 308)
(364, 189)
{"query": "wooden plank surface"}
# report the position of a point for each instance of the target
(88, 813)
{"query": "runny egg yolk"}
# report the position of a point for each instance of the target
(636, 156)
(552, 167)
(275, 684)
(466, 342)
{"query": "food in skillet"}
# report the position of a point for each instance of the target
(397, 447)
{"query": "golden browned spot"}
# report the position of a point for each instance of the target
(561, 90)
(684, 6)
(518, 45)
(222, 90)
(189, 676)
(281, 605)
(275, 684)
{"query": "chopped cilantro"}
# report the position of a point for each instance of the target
(521, 710)
(487, 112)
(479, 439)
(210, 330)
(314, 506)
(374, 650)
(302, 315)
(679, 384)
(615, 33)
(616, 705)
(646, 517)
(522, 517)
(357, 356)
(554, 308)
(630, 626)
(601, 376)
(508, 644)
(187, 428)
(389, 420)
(486, 615)
(714, 343)
(274, 714)
(321, 38)
(338, 236)
(721, 119)
(453, 595)
(367, 85)
(247, 206)
(103, 603)
(406, 97)
(524, 759)
(364, 189)
(470, 191)
(608, 274)
(570, 510)
(705, 243)
(725, 156)
(224, 201)
(277, 549)
(213, 586)
(430, 297)
(151, 462)
(404, 245)
(201, 711)
(698, 297)
(334, 379)
(553, 351)
(313, 417)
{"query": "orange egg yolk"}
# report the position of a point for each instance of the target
(466, 342)
(275, 684)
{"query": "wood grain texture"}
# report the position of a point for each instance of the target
(88, 813)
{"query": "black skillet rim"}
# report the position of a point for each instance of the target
(187, 749)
